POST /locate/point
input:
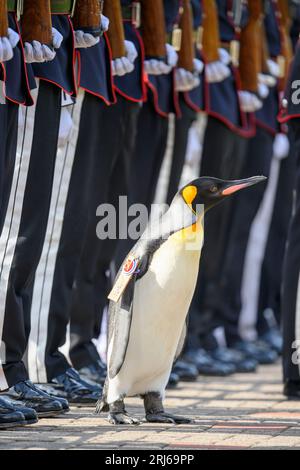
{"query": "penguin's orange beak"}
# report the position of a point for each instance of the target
(237, 185)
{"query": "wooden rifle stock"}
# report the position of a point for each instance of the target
(112, 9)
(187, 50)
(286, 43)
(153, 28)
(87, 16)
(250, 47)
(36, 21)
(3, 18)
(211, 36)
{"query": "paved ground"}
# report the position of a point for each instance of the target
(245, 411)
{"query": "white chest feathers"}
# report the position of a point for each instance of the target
(161, 301)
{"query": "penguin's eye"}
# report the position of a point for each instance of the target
(213, 189)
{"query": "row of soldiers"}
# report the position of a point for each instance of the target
(87, 90)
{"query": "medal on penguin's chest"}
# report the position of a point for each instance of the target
(129, 268)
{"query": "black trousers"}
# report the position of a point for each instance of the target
(8, 148)
(92, 284)
(224, 154)
(182, 127)
(290, 289)
(150, 147)
(271, 272)
(25, 225)
(258, 159)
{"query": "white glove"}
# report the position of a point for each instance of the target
(104, 23)
(7, 45)
(65, 127)
(185, 80)
(273, 67)
(124, 65)
(85, 40)
(249, 102)
(218, 71)
(37, 52)
(159, 67)
(198, 66)
(281, 146)
(13, 37)
(263, 91)
(57, 38)
(224, 56)
(266, 79)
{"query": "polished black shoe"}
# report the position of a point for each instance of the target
(273, 338)
(206, 365)
(291, 390)
(51, 392)
(78, 391)
(9, 417)
(187, 372)
(257, 350)
(30, 396)
(94, 373)
(237, 358)
(29, 414)
(173, 380)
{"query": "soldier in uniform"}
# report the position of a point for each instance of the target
(91, 285)
(10, 414)
(80, 185)
(29, 181)
(230, 123)
(290, 114)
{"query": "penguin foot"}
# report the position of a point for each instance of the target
(122, 418)
(167, 418)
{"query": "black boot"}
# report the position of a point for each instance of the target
(94, 373)
(9, 418)
(30, 396)
(291, 390)
(206, 365)
(29, 414)
(78, 391)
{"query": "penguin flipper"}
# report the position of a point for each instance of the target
(182, 340)
(120, 316)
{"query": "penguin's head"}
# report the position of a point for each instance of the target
(207, 192)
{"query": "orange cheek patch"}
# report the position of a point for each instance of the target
(189, 193)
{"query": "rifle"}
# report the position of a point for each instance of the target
(211, 36)
(187, 50)
(153, 28)
(3, 19)
(36, 21)
(286, 55)
(112, 9)
(250, 48)
(87, 16)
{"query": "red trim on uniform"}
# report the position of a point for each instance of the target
(142, 80)
(30, 99)
(175, 97)
(101, 97)
(264, 126)
(74, 92)
(155, 98)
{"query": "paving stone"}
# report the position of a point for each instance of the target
(237, 412)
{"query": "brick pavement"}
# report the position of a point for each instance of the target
(239, 412)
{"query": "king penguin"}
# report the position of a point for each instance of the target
(151, 298)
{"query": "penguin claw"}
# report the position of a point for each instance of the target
(122, 418)
(167, 418)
